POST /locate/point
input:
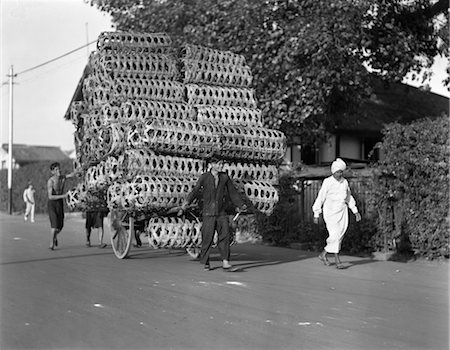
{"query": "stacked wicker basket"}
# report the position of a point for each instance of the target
(149, 119)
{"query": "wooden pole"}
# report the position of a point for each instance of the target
(10, 141)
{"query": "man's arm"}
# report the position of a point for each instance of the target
(28, 199)
(74, 173)
(190, 197)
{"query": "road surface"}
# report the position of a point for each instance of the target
(85, 298)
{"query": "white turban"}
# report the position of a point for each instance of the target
(337, 165)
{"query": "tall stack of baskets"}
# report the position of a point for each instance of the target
(150, 118)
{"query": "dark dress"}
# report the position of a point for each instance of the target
(56, 206)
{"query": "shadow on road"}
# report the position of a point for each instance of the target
(151, 253)
(53, 258)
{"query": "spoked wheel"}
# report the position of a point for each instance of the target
(122, 229)
(193, 252)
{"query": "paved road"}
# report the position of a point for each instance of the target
(85, 298)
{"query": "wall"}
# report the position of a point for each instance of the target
(327, 151)
(4, 160)
(350, 147)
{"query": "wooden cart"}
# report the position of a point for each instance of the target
(126, 226)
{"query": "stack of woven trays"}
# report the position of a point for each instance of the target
(150, 118)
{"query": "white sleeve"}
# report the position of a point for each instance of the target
(351, 201)
(321, 196)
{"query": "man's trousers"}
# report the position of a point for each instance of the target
(210, 225)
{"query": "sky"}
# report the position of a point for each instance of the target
(36, 31)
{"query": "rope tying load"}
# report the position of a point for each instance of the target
(167, 232)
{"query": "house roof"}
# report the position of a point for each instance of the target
(78, 94)
(394, 102)
(28, 154)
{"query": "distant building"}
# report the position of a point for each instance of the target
(71, 154)
(25, 154)
(356, 134)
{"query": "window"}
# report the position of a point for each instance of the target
(370, 148)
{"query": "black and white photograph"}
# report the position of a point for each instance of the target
(224, 174)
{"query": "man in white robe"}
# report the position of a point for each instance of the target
(333, 200)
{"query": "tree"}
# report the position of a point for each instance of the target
(308, 57)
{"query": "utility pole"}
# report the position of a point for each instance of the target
(10, 144)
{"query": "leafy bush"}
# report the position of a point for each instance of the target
(280, 228)
(38, 173)
(412, 187)
(358, 238)
(245, 228)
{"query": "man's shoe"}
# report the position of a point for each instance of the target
(226, 265)
(207, 267)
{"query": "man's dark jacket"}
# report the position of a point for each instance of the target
(215, 200)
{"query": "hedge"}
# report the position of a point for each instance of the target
(411, 187)
(38, 173)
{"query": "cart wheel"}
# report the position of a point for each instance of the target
(193, 252)
(122, 229)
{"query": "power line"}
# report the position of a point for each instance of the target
(52, 60)
(56, 58)
(45, 72)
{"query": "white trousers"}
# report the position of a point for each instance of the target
(29, 211)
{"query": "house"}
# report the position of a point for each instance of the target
(356, 135)
(72, 154)
(25, 154)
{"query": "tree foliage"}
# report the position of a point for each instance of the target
(308, 57)
(412, 182)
